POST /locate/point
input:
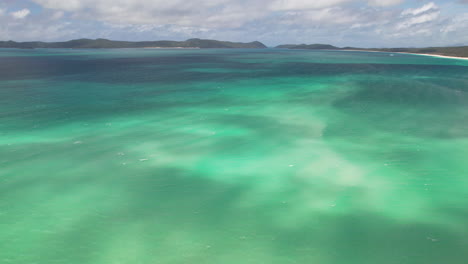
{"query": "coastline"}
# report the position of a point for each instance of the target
(170, 48)
(436, 55)
(423, 54)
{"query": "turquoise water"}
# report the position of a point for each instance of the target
(232, 156)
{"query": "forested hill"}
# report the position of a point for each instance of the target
(306, 46)
(111, 44)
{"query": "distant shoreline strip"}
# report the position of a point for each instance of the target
(423, 54)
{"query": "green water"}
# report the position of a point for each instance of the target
(232, 156)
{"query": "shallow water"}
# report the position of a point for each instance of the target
(232, 156)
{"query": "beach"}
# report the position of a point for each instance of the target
(438, 56)
(423, 54)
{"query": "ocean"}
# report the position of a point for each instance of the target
(232, 156)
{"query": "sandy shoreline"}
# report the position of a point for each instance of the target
(170, 48)
(436, 55)
(423, 54)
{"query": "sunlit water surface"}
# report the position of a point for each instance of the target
(232, 156)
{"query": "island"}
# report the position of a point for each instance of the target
(112, 44)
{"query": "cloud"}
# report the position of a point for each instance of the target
(321, 17)
(68, 5)
(304, 4)
(203, 13)
(385, 2)
(20, 14)
(20, 25)
(57, 15)
(427, 7)
(364, 23)
(418, 20)
(426, 13)
(458, 24)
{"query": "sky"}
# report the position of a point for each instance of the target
(359, 23)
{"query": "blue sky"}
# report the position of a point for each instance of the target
(362, 23)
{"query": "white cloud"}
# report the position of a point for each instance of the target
(427, 7)
(321, 17)
(457, 24)
(37, 30)
(304, 4)
(20, 14)
(418, 20)
(212, 13)
(68, 5)
(411, 17)
(385, 2)
(203, 13)
(57, 15)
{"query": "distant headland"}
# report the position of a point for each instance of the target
(112, 44)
